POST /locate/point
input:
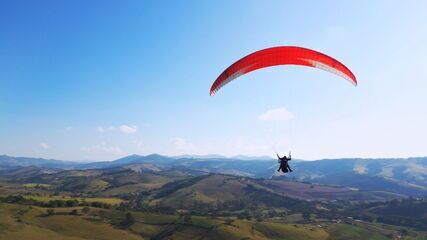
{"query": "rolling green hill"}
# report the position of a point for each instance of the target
(174, 204)
(214, 188)
(26, 222)
(404, 176)
(103, 182)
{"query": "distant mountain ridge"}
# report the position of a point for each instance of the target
(215, 156)
(401, 175)
(207, 156)
(9, 161)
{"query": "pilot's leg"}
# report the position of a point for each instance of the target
(284, 169)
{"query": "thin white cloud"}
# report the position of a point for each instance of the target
(181, 145)
(44, 145)
(139, 145)
(101, 148)
(123, 129)
(128, 129)
(278, 114)
(111, 128)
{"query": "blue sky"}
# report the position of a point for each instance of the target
(97, 80)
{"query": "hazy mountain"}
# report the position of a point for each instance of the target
(8, 161)
(401, 175)
(244, 157)
(132, 159)
(207, 156)
(216, 156)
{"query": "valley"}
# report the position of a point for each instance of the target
(195, 199)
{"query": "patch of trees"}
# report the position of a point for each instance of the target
(74, 212)
(73, 203)
(245, 215)
(15, 199)
(128, 221)
(51, 211)
(306, 215)
(409, 212)
(409, 207)
(172, 187)
(264, 197)
(62, 203)
(19, 199)
(419, 224)
(185, 216)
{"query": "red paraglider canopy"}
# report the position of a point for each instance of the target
(285, 55)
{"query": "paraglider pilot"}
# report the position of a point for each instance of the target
(284, 166)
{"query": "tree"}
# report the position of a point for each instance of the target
(128, 221)
(247, 215)
(71, 203)
(74, 212)
(306, 216)
(187, 218)
(86, 210)
(404, 232)
(229, 221)
(50, 212)
(52, 204)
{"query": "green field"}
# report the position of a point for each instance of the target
(172, 206)
(23, 222)
(31, 222)
(343, 231)
(37, 185)
(112, 201)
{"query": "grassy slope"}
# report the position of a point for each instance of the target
(24, 222)
(225, 187)
(136, 182)
(21, 222)
(343, 231)
(290, 231)
(150, 225)
(112, 201)
(207, 189)
(320, 192)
